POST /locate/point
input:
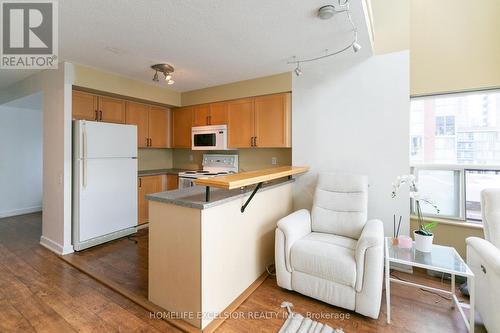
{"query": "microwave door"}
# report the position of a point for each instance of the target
(204, 141)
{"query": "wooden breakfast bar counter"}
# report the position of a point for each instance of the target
(206, 257)
(243, 179)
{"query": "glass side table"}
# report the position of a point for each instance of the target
(442, 259)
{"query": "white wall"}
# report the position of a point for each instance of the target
(55, 86)
(21, 160)
(351, 115)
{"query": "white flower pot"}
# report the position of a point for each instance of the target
(423, 243)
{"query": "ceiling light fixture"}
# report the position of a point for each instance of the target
(167, 71)
(325, 13)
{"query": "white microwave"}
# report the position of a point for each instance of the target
(209, 137)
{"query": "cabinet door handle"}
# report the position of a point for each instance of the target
(100, 115)
(210, 120)
(251, 141)
(150, 142)
(255, 141)
(140, 182)
(96, 116)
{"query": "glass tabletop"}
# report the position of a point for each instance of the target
(441, 258)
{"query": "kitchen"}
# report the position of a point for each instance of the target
(175, 148)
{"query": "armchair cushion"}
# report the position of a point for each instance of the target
(326, 256)
(488, 254)
(371, 236)
(294, 227)
(340, 204)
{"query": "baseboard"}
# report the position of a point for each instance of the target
(55, 247)
(20, 211)
(142, 226)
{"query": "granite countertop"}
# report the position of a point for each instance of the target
(194, 197)
(156, 172)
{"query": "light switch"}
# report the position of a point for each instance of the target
(274, 160)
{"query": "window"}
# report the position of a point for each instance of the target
(475, 182)
(455, 150)
(456, 128)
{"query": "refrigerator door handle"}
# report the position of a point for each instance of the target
(84, 159)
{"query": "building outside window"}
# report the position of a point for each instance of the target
(455, 149)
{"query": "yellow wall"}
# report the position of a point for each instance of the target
(255, 87)
(454, 45)
(96, 79)
(249, 159)
(391, 25)
(452, 234)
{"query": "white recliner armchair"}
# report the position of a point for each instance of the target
(333, 253)
(483, 258)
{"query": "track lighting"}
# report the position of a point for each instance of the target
(167, 71)
(325, 13)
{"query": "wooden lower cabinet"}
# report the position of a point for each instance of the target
(152, 184)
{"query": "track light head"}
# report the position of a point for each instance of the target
(168, 76)
(298, 70)
(170, 82)
(356, 47)
(155, 77)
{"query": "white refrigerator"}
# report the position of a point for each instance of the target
(104, 182)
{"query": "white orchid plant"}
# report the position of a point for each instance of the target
(423, 229)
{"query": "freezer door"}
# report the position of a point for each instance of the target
(105, 197)
(103, 140)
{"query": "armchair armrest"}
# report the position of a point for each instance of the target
(487, 252)
(294, 227)
(372, 236)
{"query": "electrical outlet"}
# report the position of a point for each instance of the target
(274, 160)
(191, 158)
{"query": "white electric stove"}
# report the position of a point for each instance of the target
(213, 165)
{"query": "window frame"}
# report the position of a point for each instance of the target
(462, 169)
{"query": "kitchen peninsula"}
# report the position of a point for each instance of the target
(204, 254)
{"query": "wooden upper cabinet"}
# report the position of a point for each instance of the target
(158, 127)
(84, 106)
(240, 123)
(218, 113)
(201, 114)
(137, 114)
(273, 121)
(182, 120)
(111, 110)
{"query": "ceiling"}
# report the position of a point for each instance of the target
(208, 42)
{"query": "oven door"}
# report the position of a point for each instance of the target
(185, 182)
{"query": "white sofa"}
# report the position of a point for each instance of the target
(483, 258)
(333, 253)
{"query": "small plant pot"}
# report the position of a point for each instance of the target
(423, 243)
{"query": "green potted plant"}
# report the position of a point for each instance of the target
(423, 236)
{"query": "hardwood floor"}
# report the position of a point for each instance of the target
(41, 293)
